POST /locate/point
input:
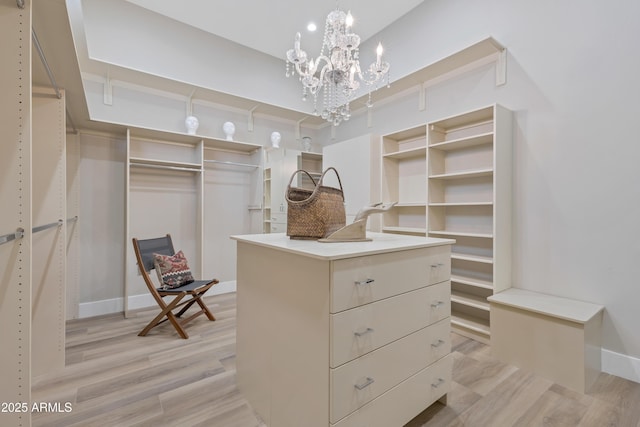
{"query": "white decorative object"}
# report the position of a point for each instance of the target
(306, 143)
(337, 69)
(275, 139)
(229, 129)
(192, 123)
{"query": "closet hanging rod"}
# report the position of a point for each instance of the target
(58, 223)
(52, 79)
(246, 165)
(19, 234)
(177, 168)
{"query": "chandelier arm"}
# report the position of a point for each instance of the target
(298, 65)
(328, 66)
(325, 59)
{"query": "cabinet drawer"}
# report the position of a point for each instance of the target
(363, 329)
(357, 281)
(399, 405)
(365, 378)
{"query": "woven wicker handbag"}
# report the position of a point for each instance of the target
(314, 214)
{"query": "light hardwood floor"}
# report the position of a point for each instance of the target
(115, 378)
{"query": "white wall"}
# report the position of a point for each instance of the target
(572, 82)
(101, 213)
(353, 161)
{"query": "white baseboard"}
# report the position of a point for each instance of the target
(621, 365)
(116, 305)
(98, 308)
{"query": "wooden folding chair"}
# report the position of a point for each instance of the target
(144, 250)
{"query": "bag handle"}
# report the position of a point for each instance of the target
(317, 184)
(337, 176)
(296, 172)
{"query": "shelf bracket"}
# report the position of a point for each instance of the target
(297, 130)
(108, 91)
(250, 119)
(190, 103)
(422, 99)
(501, 68)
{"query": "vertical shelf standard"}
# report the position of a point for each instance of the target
(266, 200)
(469, 199)
(404, 181)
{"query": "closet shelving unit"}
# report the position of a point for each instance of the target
(469, 199)
(173, 165)
(404, 181)
(312, 163)
(279, 165)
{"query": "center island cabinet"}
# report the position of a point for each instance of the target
(343, 334)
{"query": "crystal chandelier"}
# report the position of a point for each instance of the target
(336, 72)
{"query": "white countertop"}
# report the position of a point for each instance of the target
(381, 243)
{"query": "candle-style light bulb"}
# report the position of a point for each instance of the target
(296, 43)
(349, 20)
(379, 54)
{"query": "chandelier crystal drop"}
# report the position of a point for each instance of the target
(336, 71)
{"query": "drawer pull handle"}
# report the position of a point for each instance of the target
(437, 344)
(364, 282)
(437, 304)
(366, 331)
(438, 383)
(367, 383)
(439, 264)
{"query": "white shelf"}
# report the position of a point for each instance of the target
(470, 300)
(409, 230)
(235, 146)
(466, 142)
(471, 323)
(461, 234)
(411, 205)
(406, 154)
(465, 174)
(472, 258)
(470, 118)
(157, 135)
(454, 204)
(471, 281)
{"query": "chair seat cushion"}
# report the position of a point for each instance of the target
(186, 288)
(173, 270)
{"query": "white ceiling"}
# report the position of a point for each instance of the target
(270, 27)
